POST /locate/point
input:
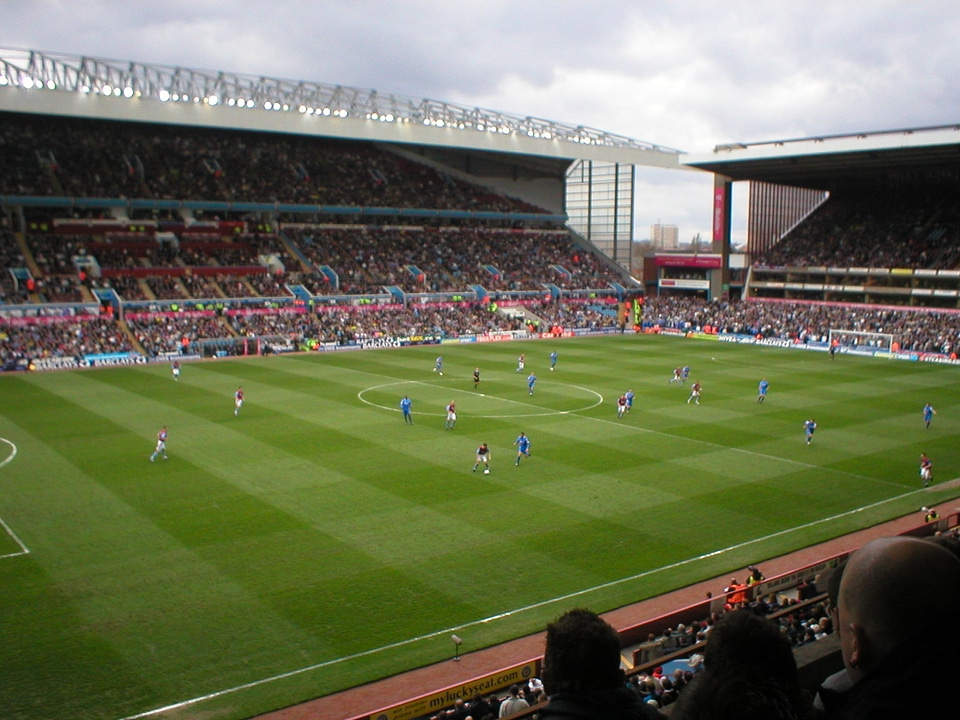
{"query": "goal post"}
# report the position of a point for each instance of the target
(854, 339)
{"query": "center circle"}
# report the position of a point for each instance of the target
(475, 403)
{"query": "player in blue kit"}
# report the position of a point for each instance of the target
(438, 364)
(405, 405)
(809, 427)
(762, 390)
(523, 447)
(553, 360)
(531, 381)
(928, 413)
(629, 397)
(684, 374)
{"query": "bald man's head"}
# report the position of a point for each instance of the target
(890, 587)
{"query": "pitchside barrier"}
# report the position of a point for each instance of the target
(815, 661)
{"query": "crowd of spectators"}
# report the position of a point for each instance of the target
(159, 332)
(45, 156)
(365, 260)
(920, 330)
(345, 324)
(902, 229)
(72, 337)
(895, 596)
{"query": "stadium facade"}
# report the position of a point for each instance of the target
(584, 176)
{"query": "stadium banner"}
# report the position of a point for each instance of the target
(706, 260)
(406, 340)
(365, 305)
(502, 336)
(740, 339)
(792, 579)
(334, 346)
(929, 357)
(86, 361)
(171, 313)
(938, 358)
(720, 190)
(169, 357)
(13, 319)
(383, 342)
(684, 283)
(401, 341)
(55, 363)
(321, 346)
(286, 310)
(114, 359)
(431, 705)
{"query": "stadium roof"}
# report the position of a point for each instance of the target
(832, 162)
(47, 83)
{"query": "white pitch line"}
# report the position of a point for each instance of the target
(806, 465)
(546, 411)
(765, 456)
(12, 455)
(24, 550)
(551, 601)
(506, 614)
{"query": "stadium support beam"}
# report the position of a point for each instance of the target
(722, 204)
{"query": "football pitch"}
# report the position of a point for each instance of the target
(315, 541)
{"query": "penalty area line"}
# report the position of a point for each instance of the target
(24, 550)
(509, 613)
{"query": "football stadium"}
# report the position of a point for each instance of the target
(319, 402)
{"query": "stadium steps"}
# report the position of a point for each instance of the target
(226, 324)
(294, 251)
(146, 290)
(122, 324)
(28, 258)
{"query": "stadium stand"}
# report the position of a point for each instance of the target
(78, 282)
(797, 582)
(921, 330)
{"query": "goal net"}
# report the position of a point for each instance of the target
(854, 339)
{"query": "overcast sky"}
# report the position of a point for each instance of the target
(684, 74)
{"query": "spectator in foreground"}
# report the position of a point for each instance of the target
(832, 690)
(897, 623)
(582, 674)
(513, 703)
(750, 673)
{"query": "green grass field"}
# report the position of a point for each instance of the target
(316, 542)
